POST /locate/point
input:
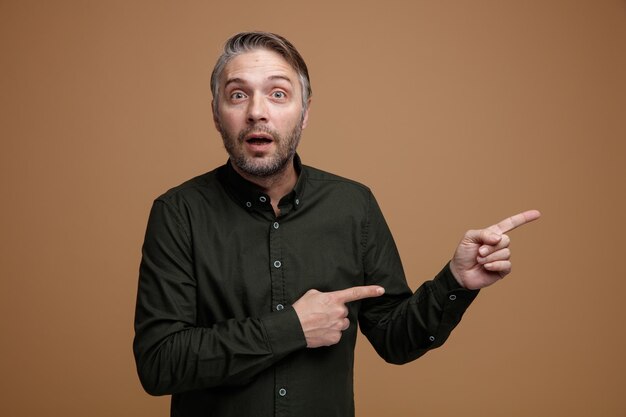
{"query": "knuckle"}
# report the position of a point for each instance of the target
(470, 233)
(337, 312)
(325, 298)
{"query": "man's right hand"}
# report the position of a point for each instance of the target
(324, 315)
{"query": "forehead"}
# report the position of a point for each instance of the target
(258, 65)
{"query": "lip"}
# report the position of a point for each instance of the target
(256, 135)
(258, 147)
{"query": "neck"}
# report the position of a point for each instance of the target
(276, 186)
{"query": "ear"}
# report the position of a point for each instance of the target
(305, 118)
(216, 119)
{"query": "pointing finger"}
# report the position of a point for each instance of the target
(517, 220)
(357, 293)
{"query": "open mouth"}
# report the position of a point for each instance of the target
(258, 140)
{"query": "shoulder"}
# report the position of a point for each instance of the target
(319, 178)
(340, 194)
(196, 189)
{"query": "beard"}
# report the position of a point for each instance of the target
(269, 165)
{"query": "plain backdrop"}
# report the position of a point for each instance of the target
(456, 114)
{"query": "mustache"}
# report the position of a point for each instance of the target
(257, 129)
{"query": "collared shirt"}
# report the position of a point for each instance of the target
(214, 322)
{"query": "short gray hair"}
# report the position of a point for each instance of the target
(249, 41)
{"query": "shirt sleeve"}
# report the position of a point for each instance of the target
(172, 353)
(401, 325)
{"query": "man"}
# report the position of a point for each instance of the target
(255, 275)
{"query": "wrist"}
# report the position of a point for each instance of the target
(456, 273)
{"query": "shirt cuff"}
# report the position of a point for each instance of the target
(454, 300)
(445, 283)
(283, 331)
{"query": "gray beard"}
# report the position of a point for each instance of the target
(275, 166)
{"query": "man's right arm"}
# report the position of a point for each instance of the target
(172, 353)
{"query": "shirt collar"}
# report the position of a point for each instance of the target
(251, 197)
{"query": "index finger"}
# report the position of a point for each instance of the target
(517, 220)
(357, 293)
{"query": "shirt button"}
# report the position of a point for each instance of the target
(452, 297)
(297, 201)
(279, 307)
(276, 225)
(262, 199)
(277, 264)
(248, 204)
(431, 338)
(282, 392)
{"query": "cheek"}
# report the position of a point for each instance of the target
(229, 122)
(287, 120)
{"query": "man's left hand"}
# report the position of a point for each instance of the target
(483, 256)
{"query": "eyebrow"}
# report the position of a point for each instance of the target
(242, 81)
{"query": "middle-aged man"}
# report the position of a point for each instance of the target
(255, 275)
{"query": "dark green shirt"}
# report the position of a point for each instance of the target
(214, 322)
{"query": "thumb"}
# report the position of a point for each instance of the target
(490, 237)
(484, 236)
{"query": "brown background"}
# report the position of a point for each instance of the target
(456, 113)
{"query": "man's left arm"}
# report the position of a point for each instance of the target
(402, 325)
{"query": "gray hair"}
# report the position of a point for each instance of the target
(249, 41)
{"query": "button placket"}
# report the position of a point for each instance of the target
(276, 264)
(278, 303)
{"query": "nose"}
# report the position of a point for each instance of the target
(257, 109)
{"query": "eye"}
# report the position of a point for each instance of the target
(237, 95)
(279, 94)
